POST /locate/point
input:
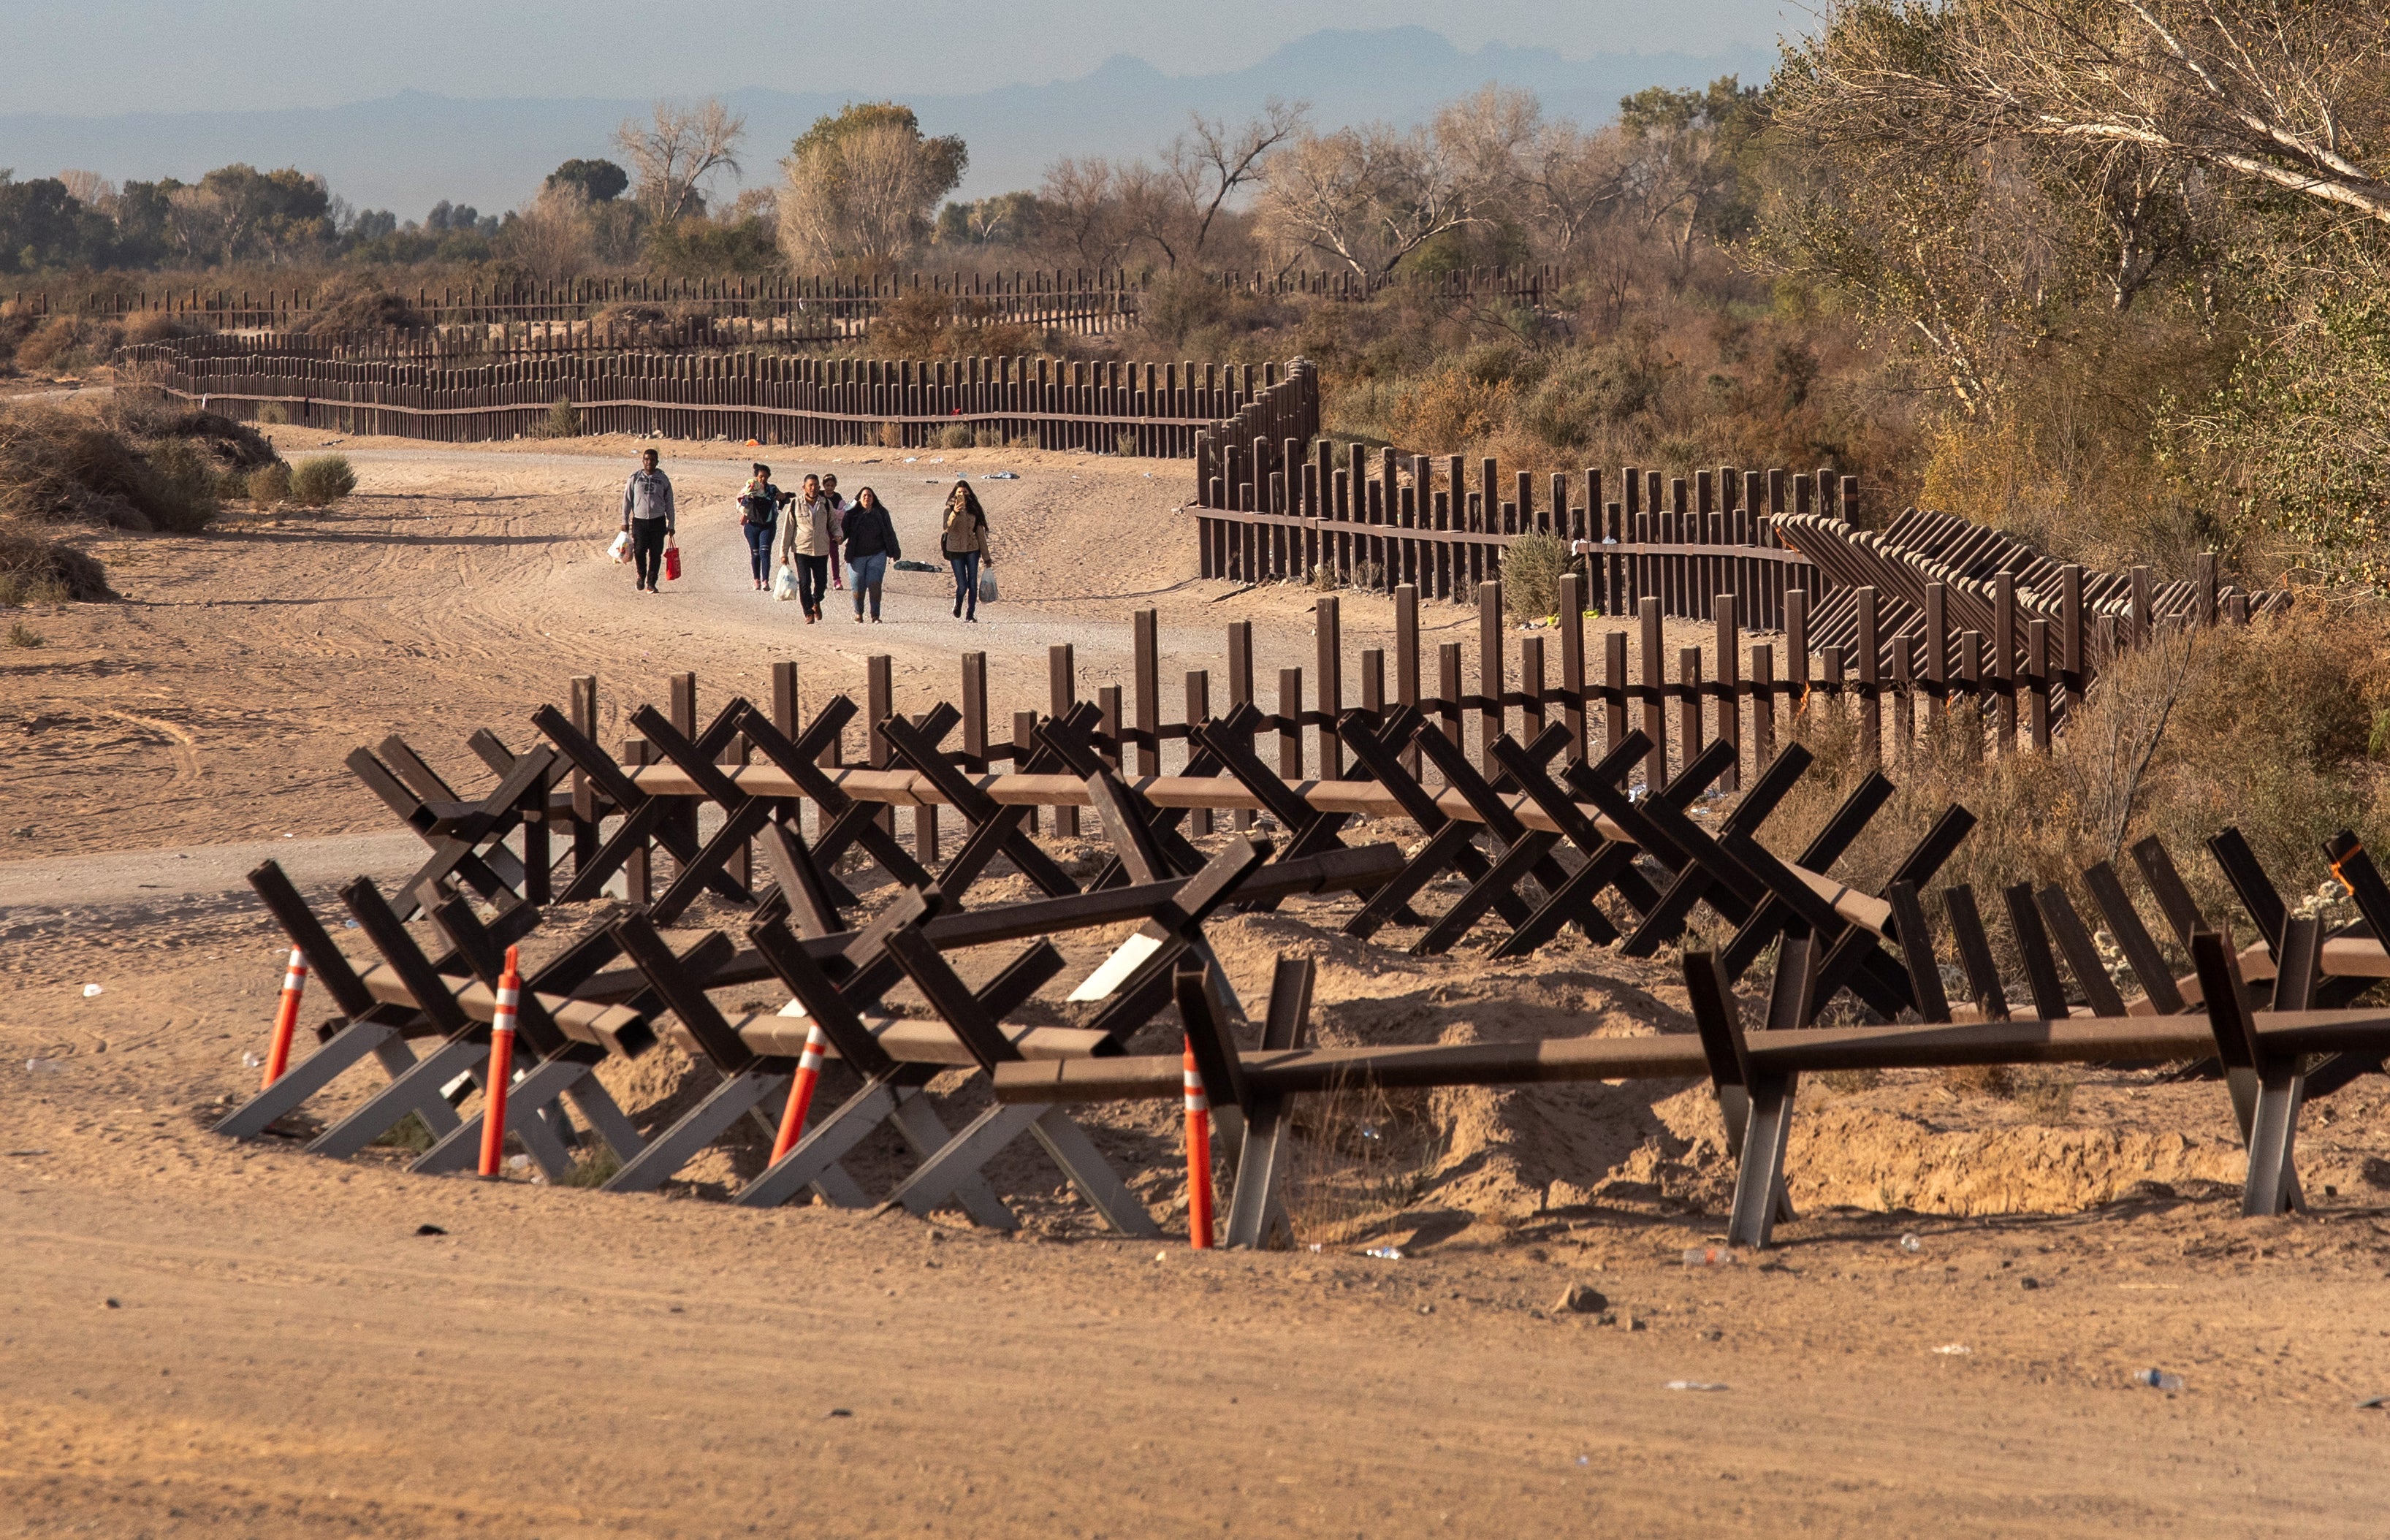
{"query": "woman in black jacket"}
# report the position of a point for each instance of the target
(870, 546)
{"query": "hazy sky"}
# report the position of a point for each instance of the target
(108, 57)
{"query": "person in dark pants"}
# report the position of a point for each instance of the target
(870, 546)
(647, 515)
(759, 512)
(965, 544)
(811, 543)
(837, 512)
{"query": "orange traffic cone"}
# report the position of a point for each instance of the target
(502, 1066)
(286, 1018)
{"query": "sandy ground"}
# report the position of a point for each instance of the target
(203, 1338)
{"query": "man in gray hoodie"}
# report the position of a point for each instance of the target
(647, 515)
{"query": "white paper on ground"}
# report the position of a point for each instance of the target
(1125, 959)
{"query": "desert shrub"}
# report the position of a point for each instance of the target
(320, 480)
(188, 485)
(563, 420)
(33, 571)
(1026, 441)
(154, 325)
(269, 485)
(63, 342)
(144, 416)
(1533, 565)
(353, 303)
(57, 465)
(912, 324)
(270, 415)
(410, 1133)
(1587, 391)
(890, 435)
(1126, 442)
(1358, 1155)
(2266, 728)
(593, 1168)
(990, 437)
(1997, 1082)
(21, 634)
(1448, 410)
(1180, 305)
(956, 436)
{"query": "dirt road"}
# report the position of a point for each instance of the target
(202, 1338)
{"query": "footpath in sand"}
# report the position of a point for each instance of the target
(202, 1338)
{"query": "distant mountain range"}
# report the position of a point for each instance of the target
(407, 151)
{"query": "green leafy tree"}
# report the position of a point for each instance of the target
(42, 225)
(599, 181)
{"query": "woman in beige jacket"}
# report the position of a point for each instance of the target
(965, 544)
(808, 537)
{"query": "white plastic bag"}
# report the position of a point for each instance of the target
(620, 551)
(986, 586)
(785, 585)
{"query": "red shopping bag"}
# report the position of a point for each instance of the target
(672, 563)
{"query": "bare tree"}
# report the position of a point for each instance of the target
(553, 235)
(1367, 196)
(862, 195)
(90, 189)
(1568, 180)
(2274, 94)
(1080, 211)
(2113, 742)
(1153, 209)
(679, 151)
(1212, 161)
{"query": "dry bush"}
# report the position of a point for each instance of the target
(154, 325)
(1357, 1156)
(269, 485)
(923, 322)
(145, 415)
(956, 435)
(2268, 729)
(1996, 1081)
(1533, 565)
(61, 467)
(1450, 411)
(320, 480)
(33, 571)
(890, 435)
(21, 634)
(65, 342)
(563, 420)
(354, 303)
(913, 324)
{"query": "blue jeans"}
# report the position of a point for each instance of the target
(966, 569)
(865, 573)
(759, 550)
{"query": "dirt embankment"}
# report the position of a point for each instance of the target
(286, 1355)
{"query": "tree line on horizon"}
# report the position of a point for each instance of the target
(2110, 277)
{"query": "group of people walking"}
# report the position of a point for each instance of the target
(809, 531)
